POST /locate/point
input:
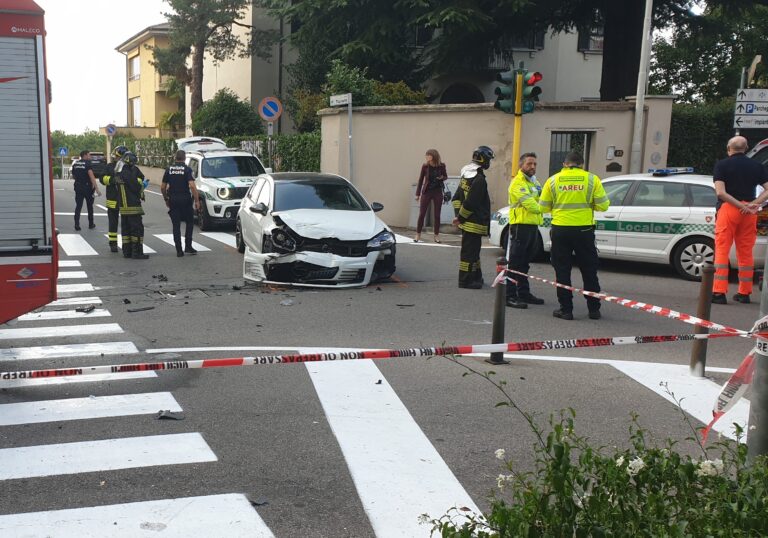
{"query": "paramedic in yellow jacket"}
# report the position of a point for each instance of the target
(524, 221)
(572, 196)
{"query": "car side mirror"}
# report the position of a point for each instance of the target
(376, 206)
(267, 170)
(259, 208)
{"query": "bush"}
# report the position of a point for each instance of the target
(303, 106)
(579, 489)
(226, 115)
(75, 143)
(290, 152)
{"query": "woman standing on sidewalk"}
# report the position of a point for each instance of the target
(430, 191)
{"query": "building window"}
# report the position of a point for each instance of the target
(529, 41)
(591, 40)
(563, 143)
(134, 68)
(420, 36)
(134, 120)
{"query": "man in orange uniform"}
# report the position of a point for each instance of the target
(736, 179)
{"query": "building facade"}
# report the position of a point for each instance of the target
(146, 99)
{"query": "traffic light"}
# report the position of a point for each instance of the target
(505, 95)
(531, 92)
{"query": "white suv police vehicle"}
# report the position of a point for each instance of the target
(222, 177)
(666, 216)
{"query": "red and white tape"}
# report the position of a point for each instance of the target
(540, 345)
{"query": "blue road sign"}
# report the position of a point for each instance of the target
(111, 129)
(270, 108)
(63, 151)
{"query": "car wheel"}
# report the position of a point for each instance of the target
(203, 218)
(385, 268)
(691, 255)
(239, 237)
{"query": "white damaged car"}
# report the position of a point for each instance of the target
(309, 229)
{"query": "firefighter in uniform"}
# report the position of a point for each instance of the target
(178, 190)
(85, 187)
(524, 221)
(472, 209)
(130, 193)
(109, 181)
(572, 196)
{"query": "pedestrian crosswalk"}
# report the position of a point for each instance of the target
(85, 244)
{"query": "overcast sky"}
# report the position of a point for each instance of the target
(87, 74)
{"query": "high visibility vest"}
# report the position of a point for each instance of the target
(524, 200)
(572, 196)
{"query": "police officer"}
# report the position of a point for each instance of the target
(130, 193)
(572, 196)
(110, 182)
(85, 187)
(178, 189)
(524, 221)
(472, 207)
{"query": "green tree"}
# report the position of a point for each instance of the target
(701, 60)
(226, 115)
(207, 27)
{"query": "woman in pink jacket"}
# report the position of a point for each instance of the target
(430, 191)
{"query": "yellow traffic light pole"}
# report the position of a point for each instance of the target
(518, 122)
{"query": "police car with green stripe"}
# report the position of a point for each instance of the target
(222, 177)
(665, 216)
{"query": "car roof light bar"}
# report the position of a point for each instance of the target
(671, 171)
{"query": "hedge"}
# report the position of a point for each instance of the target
(699, 134)
(154, 152)
(290, 152)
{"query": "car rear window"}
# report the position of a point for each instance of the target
(659, 194)
(703, 196)
(317, 195)
(231, 166)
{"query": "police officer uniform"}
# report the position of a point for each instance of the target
(178, 197)
(130, 193)
(110, 182)
(524, 220)
(472, 208)
(572, 196)
(83, 191)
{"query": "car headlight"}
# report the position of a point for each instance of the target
(383, 240)
(496, 216)
(223, 193)
(283, 241)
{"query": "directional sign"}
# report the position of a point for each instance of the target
(751, 110)
(111, 129)
(270, 108)
(63, 151)
(341, 99)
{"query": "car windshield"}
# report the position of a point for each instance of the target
(231, 166)
(317, 195)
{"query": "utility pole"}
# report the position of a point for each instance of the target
(636, 159)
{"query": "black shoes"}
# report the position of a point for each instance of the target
(594, 314)
(514, 302)
(113, 248)
(91, 226)
(472, 285)
(179, 253)
(560, 313)
(739, 298)
(189, 250)
(719, 298)
(77, 227)
(531, 299)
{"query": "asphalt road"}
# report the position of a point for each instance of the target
(332, 449)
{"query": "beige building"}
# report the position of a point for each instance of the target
(146, 98)
(389, 143)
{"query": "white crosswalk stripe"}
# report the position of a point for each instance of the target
(60, 331)
(227, 239)
(69, 275)
(229, 515)
(74, 301)
(65, 290)
(69, 263)
(168, 238)
(50, 381)
(65, 314)
(147, 248)
(67, 350)
(75, 245)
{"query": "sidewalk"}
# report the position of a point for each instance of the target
(449, 235)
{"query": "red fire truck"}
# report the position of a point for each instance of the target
(28, 247)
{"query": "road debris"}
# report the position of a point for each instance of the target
(141, 309)
(167, 414)
(86, 309)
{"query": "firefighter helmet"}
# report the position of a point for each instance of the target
(483, 156)
(119, 151)
(130, 158)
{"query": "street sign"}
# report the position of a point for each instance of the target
(341, 99)
(63, 152)
(111, 129)
(751, 110)
(270, 108)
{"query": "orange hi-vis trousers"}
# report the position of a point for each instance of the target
(733, 226)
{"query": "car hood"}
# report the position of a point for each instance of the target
(328, 223)
(231, 182)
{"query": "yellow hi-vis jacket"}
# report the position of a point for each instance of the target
(524, 200)
(572, 196)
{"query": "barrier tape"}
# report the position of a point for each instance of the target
(637, 305)
(540, 345)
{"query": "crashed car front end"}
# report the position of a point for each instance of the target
(289, 258)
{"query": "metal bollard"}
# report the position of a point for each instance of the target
(699, 349)
(499, 313)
